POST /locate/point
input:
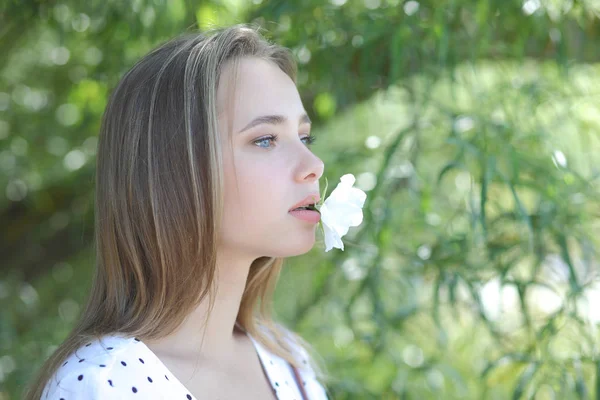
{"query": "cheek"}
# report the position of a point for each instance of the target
(255, 191)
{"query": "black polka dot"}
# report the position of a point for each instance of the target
(134, 390)
(167, 377)
(124, 363)
(82, 360)
(65, 363)
(87, 345)
(149, 379)
(276, 383)
(110, 382)
(62, 398)
(136, 339)
(188, 396)
(80, 377)
(142, 361)
(109, 348)
(102, 365)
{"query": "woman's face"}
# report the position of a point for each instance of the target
(265, 178)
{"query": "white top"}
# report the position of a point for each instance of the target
(119, 367)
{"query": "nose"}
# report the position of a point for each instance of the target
(311, 168)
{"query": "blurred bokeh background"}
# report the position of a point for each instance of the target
(473, 126)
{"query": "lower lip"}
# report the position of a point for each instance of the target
(307, 215)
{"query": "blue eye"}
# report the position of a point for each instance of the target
(310, 139)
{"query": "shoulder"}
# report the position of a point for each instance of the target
(307, 377)
(306, 373)
(103, 368)
(298, 347)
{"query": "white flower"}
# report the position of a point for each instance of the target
(341, 210)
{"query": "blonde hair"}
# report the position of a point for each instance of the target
(159, 191)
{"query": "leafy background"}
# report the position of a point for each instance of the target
(473, 126)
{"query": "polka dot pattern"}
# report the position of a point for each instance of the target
(122, 367)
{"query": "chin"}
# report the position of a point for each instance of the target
(297, 249)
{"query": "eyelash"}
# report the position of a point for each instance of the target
(310, 139)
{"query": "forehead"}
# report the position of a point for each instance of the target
(258, 87)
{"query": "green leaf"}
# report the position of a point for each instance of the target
(597, 379)
(525, 380)
(206, 16)
(580, 387)
(325, 105)
(449, 167)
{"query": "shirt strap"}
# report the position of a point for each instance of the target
(296, 373)
(299, 383)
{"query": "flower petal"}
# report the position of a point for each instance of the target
(341, 216)
(332, 239)
(341, 210)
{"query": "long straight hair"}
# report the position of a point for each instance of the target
(158, 202)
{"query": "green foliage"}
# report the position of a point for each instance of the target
(473, 126)
(463, 275)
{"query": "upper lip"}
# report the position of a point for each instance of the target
(310, 199)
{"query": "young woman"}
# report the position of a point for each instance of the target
(203, 152)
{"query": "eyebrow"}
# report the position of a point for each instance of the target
(274, 120)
